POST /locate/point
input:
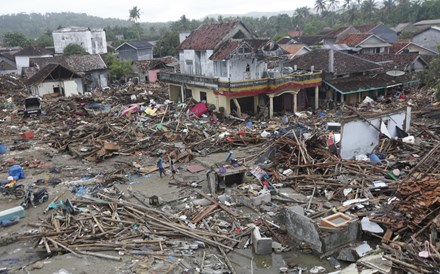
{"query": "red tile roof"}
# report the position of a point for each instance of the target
(398, 45)
(225, 50)
(294, 33)
(33, 51)
(208, 36)
(354, 39)
(292, 48)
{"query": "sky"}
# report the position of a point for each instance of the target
(153, 11)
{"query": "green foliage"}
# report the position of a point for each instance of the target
(15, 39)
(117, 68)
(72, 49)
(167, 45)
(33, 25)
(44, 40)
(431, 76)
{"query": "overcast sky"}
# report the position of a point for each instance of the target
(152, 11)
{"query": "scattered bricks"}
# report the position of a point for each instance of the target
(261, 245)
(27, 135)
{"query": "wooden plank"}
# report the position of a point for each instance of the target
(222, 206)
(204, 213)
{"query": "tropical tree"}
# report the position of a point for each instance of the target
(369, 7)
(15, 39)
(332, 4)
(301, 15)
(134, 14)
(72, 49)
(117, 68)
(320, 6)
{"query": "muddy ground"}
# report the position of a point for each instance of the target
(20, 257)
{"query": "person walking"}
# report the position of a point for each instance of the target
(160, 165)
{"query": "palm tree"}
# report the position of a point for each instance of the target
(320, 6)
(388, 7)
(301, 15)
(333, 4)
(135, 14)
(369, 7)
(347, 4)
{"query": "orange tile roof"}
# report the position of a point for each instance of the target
(208, 36)
(292, 48)
(354, 39)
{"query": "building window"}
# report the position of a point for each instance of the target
(188, 93)
(189, 62)
(203, 96)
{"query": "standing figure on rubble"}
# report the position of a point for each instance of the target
(172, 168)
(160, 165)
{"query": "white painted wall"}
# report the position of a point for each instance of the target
(71, 87)
(94, 42)
(237, 69)
(359, 137)
(23, 61)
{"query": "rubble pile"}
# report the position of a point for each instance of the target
(288, 191)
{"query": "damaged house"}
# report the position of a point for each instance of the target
(55, 79)
(349, 78)
(226, 66)
(91, 68)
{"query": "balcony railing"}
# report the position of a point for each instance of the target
(179, 78)
(299, 79)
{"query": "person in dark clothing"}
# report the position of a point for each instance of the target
(160, 165)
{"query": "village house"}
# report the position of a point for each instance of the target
(7, 63)
(148, 70)
(92, 41)
(91, 68)
(55, 79)
(294, 50)
(380, 30)
(428, 38)
(225, 65)
(349, 78)
(135, 50)
(365, 43)
(23, 56)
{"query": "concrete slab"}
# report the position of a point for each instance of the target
(262, 245)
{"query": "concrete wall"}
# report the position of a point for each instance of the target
(71, 87)
(93, 42)
(359, 137)
(99, 42)
(237, 69)
(23, 62)
(186, 59)
(99, 79)
(429, 39)
(301, 229)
